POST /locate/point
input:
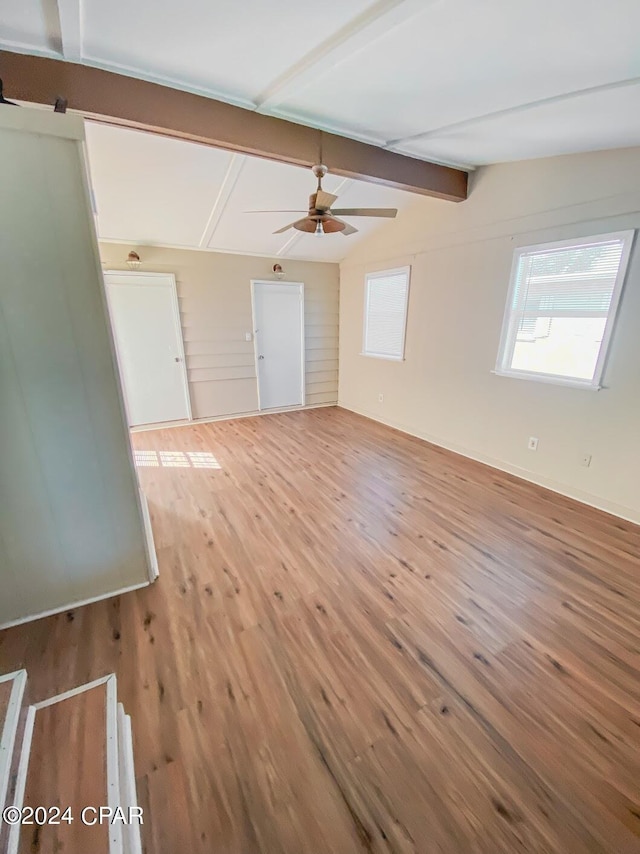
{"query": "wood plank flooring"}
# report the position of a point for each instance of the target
(361, 642)
(73, 734)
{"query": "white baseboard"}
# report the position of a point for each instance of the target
(152, 557)
(619, 510)
(71, 606)
(164, 425)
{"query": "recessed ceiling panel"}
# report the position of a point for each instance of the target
(459, 59)
(269, 186)
(265, 185)
(150, 189)
(235, 48)
(30, 24)
(599, 120)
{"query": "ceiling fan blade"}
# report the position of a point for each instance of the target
(296, 211)
(324, 200)
(348, 229)
(384, 212)
(295, 224)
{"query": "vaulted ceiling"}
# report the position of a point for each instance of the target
(151, 190)
(462, 82)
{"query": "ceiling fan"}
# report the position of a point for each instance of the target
(320, 219)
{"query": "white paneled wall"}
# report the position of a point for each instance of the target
(71, 525)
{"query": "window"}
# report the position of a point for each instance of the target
(385, 314)
(561, 309)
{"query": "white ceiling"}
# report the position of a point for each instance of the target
(461, 81)
(151, 190)
(465, 82)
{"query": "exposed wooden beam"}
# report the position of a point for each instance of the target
(117, 99)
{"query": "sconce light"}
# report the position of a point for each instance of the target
(133, 261)
(278, 271)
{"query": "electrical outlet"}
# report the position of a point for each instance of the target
(247, 336)
(380, 398)
(533, 443)
(585, 461)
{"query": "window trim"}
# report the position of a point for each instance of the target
(594, 384)
(380, 274)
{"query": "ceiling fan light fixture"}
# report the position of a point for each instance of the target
(322, 218)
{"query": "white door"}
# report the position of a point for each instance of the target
(146, 327)
(278, 322)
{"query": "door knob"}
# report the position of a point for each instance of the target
(261, 357)
(177, 359)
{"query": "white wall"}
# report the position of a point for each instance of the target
(214, 293)
(70, 521)
(461, 258)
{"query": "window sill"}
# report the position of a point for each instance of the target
(386, 358)
(546, 378)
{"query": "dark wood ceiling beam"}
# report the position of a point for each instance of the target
(117, 99)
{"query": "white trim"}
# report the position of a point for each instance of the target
(368, 278)
(71, 606)
(236, 164)
(509, 111)
(154, 570)
(70, 18)
(255, 342)
(303, 340)
(183, 247)
(161, 277)
(9, 730)
(552, 379)
(21, 778)
(359, 32)
(128, 793)
(507, 340)
(72, 692)
(629, 514)
(7, 677)
(113, 775)
(111, 747)
(385, 358)
(213, 418)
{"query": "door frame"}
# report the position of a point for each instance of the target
(136, 274)
(300, 286)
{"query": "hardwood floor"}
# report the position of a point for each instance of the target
(73, 734)
(361, 642)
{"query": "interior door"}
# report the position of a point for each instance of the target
(146, 326)
(278, 322)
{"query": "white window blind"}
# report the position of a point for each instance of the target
(385, 318)
(561, 309)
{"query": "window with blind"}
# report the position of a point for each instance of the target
(385, 315)
(561, 309)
